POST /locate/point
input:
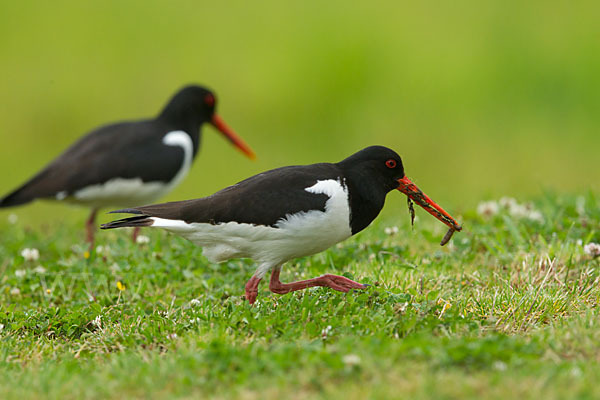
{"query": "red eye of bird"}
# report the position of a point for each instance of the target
(391, 163)
(209, 100)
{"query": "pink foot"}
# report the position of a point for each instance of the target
(252, 289)
(335, 282)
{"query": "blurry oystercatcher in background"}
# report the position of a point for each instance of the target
(129, 163)
(287, 213)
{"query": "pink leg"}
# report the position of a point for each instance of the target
(136, 231)
(252, 289)
(339, 283)
(90, 227)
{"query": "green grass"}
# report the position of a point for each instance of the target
(509, 309)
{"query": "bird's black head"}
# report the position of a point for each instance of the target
(193, 106)
(370, 175)
(378, 165)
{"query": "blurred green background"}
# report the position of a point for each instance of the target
(481, 99)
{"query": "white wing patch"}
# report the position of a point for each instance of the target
(134, 192)
(333, 224)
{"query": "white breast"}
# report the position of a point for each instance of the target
(120, 192)
(296, 235)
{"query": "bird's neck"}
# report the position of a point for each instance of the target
(366, 200)
(182, 117)
(180, 120)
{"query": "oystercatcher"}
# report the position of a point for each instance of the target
(287, 213)
(129, 163)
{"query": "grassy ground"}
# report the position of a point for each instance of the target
(509, 309)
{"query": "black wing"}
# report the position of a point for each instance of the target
(262, 199)
(123, 150)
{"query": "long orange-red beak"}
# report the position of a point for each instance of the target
(415, 194)
(237, 141)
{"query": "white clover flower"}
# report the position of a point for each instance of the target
(102, 250)
(579, 242)
(592, 249)
(142, 239)
(20, 273)
(391, 230)
(15, 291)
(507, 202)
(325, 332)
(535, 215)
(97, 322)
(12, 219)
(487, 208)
(499, 366)
(518, 210)
(194, 303)
(30, 254)
(351, 360)
(39, 270)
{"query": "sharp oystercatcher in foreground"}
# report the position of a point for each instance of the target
(129, 163)
(288, 212)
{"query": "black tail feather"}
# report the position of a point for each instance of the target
(137, 221)
(14, 199)
(126, 211)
